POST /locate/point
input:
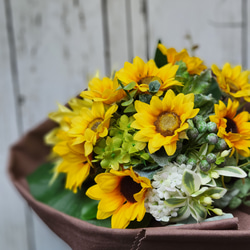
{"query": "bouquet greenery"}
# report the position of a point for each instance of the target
(165, 140)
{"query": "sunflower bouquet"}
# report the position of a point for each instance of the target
(160, 142)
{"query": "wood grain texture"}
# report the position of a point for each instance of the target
(139, 37)
(117, 26)
(59, 46)
(13, 233)
(215, 26)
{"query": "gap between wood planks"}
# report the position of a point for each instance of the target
(18, 101)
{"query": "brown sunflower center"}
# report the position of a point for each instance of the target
(147, 80)
(129, 187)
(167, 123)
(233, 87)
(231, 126)
(95, 123)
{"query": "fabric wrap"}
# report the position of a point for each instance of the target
(30, 152)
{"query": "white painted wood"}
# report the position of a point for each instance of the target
(139, 32)
(13, 234)
(118, 37)
(213, 25)
(45, 239)
(247, 41)
(59, 46)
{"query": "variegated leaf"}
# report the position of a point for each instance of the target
(176, 202)
(198, 211)
(191, 182)
(199, 192)
(215, 190)
(232, 171)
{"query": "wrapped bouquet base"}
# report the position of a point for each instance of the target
(30, 152)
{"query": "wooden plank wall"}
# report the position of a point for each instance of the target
(49, 50)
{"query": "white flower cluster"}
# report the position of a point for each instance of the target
(166, 183)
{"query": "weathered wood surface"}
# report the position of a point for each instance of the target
(49, 50)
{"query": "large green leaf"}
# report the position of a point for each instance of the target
(160, 59)
(55, 195)
(214, 89)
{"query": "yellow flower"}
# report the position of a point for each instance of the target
(163, 122)
(143, 73)
(74, 163)
(104, 90)
(234, 129)
(232, 81)
(90, 125)
(121, 195)
(194, 64)
(63, 117)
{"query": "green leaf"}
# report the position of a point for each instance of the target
(182, 69)
(160, 157)
(130, 86)
(199, 192)
(191, 182)
(198, 84)
(203, 149)
(219, 159)
(201, 82)
(130, 108)
(154, 86)
(77, 205)
(214, 89)
(160, 59)
(232, 172)
(147, 168)
(215, 190)
(225, 200)
(202, 100)
(127, 103)
(205, 178)
(176, 202)
(235, 202)
(205, 103)
(147, 174)
(183, 213)
(243, 187)
(100, 223)
(198, 211)
(141, 224)
(247, 203)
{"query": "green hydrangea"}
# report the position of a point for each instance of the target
(120, 148)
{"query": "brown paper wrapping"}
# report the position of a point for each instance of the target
(30, 152)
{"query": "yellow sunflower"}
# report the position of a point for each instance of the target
(194, 64)
(63, 117)
(232, 81)
(163, 122)
(143, 73)
(104, 90)
(121, 195)
(74, 163)
(234, 129)
(90, 125)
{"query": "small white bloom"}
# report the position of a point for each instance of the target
(166, 184)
